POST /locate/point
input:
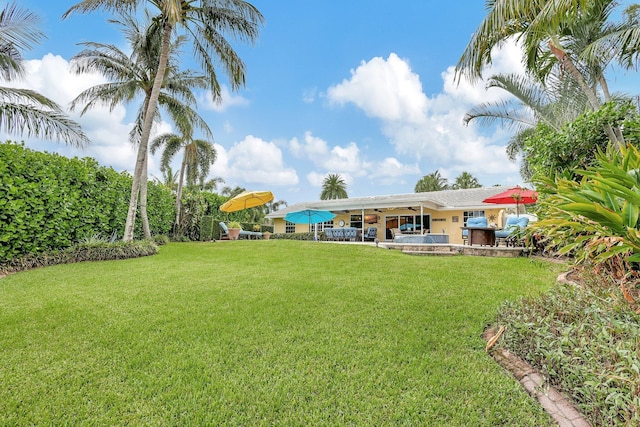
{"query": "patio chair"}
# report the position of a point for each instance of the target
(395, 232)
(512, 231)
(350, 233)
(478, 221)
(248, 234)
(329, 233)
(338, 234)
(371, 234)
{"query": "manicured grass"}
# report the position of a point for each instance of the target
(263, 333)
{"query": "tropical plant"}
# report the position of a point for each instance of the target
(333, 187)
(274, 205)
(198, 156)
(205, 23)
(623, 42)
(232, 192)
(554, 35)
(24, 111)
(466, 180)
(134, 75)
(565, 152)
(432, 182)
(598, 218)
(169, 178)
(553, 104)
(210, 184)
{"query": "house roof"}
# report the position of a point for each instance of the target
(446, 200)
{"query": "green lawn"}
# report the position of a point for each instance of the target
(263, 333)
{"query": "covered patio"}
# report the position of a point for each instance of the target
(438, 215)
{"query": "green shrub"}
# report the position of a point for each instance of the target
(295, 236)
(49, 202)
(92, 249)
(585, 340)
(596, 219)
(160, 239)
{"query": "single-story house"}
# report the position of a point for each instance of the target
(436, 212)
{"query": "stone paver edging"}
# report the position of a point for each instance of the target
(558, 406)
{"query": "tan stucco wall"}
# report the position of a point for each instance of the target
(441, 222)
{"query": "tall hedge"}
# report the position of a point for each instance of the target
(49, 202)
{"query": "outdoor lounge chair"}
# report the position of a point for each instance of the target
(248, 234)
(511, 233)
(371, 234)
(395, 232)
(478, 221)
(224, 231)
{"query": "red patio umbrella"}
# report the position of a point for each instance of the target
(515, 195)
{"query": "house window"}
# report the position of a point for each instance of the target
(321, 226)
(356, 221)
(471, 214)
(289, 227)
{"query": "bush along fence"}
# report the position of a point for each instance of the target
(49, 202)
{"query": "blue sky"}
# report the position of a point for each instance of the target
(360, 88)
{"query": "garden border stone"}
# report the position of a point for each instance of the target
(558, 406)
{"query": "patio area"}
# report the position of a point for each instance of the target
(448, 249)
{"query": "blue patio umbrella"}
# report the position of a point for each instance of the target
(309, 216)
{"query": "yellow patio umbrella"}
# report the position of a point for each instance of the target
(248, 199)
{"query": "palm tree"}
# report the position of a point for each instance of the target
(24, 111)
(466, 180)
(232, 192)
(198, 156)
(210, 184)
(205, 24)
(432, 182)
(623, 42)
(554, 36)
(132, 76)
(334, 187)
(274, 205)
(554, 103)
(169, 178)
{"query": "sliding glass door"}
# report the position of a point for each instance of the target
(407, 224)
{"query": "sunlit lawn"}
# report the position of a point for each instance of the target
(262, 333)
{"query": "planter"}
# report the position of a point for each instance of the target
(266, 235)
(234, 233)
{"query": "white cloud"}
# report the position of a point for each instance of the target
(227, 100)
(430, 129)
(346, 160)
(391, 169)
(385, 89)
(309, 95)
(337, 159)
(107, 130)
(312, 147)
(316, 178)
(256, 163)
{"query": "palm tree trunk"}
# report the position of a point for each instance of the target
(607, 97)
(179, 195)
(571, 68)
(143, 200)
(146, 132)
